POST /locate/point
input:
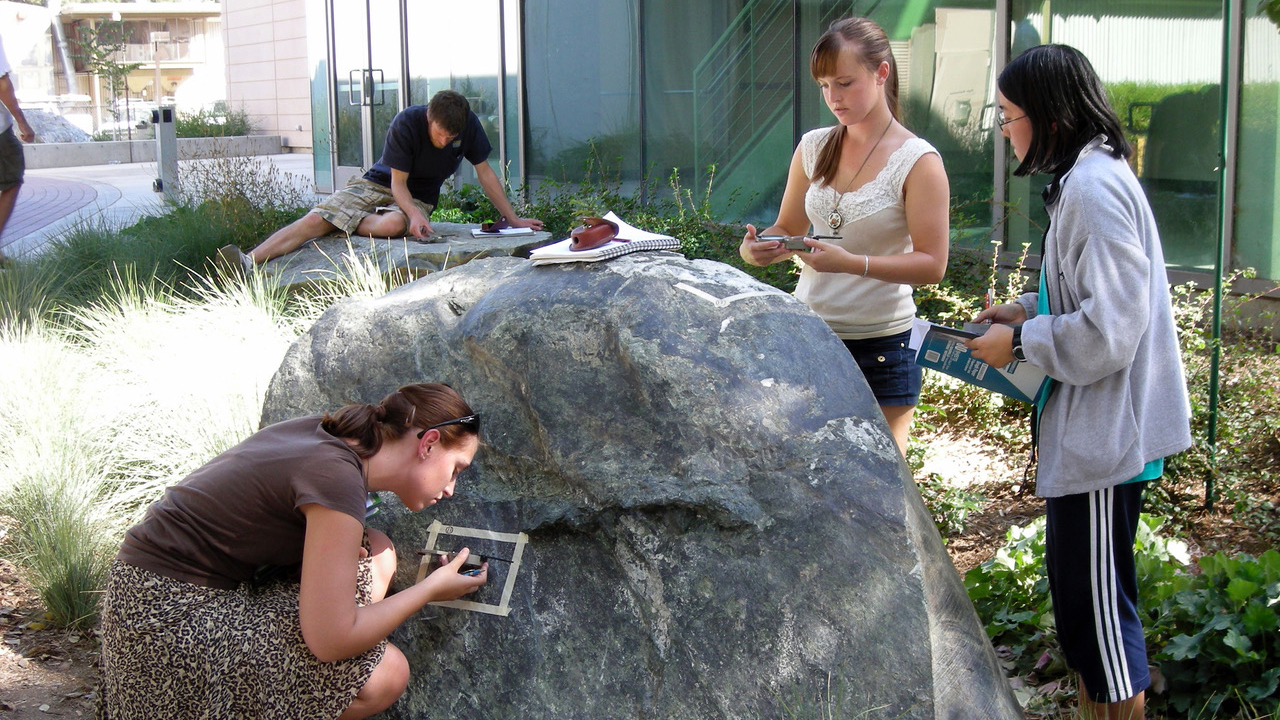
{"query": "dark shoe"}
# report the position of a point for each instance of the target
(232, 260)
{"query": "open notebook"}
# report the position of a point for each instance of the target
(630, 239)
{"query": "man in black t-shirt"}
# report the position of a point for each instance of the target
(425, 145)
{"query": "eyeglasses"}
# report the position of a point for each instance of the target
(1002, 121)
(470, 422)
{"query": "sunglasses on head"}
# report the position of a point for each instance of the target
(470, 422)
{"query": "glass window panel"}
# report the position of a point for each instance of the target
(1161, 64)
(1258, 162)
(511, 32)
(350, 58)
(946, 59)
(321, 131)
(468, 61)
(583, 97)
(384, 64)
(720, 94)
(678, 37)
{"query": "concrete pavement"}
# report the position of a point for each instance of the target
(55, 200)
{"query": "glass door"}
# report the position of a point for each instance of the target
(368, 56)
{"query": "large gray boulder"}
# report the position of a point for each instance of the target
(719, 523)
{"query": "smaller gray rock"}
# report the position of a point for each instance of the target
(404, 259)
(53, 128)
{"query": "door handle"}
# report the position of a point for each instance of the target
(355, 88)
(381, 96)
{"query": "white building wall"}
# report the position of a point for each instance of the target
(267, 71)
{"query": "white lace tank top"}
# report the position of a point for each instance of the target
(875, 223)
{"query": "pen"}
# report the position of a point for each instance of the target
(986, 304)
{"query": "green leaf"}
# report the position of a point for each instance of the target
(1265, 687)
(1241, 591)
(1259, 619)
(1183, 647)
(1270, 561)
(1241, 643)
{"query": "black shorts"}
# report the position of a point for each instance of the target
(889, 366)
(12, 165)
(1094, 585)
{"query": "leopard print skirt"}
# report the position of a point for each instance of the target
(178, 650)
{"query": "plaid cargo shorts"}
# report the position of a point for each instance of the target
(358, 200)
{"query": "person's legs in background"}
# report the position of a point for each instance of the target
(1093, 582)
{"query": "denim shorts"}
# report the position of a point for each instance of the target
(889, 366)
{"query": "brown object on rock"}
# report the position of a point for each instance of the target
(592, 233)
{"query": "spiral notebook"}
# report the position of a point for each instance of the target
(630, 239)
(477, 232)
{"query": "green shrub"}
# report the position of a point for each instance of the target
(1214, 636)
(1219, 633)
(1243, 465)
(217, 121)
(106, 405)
(227, 201)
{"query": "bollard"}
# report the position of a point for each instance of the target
(162, 119)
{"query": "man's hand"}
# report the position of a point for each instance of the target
(25, 132)
(418, 225)
(531, 223)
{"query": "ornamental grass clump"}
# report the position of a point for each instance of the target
(110, 403)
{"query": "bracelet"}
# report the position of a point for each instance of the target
(866, 265)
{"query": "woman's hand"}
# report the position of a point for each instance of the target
(1005, 314)
(447, 583)
(826, 257)
(995, 347)
(758, 253)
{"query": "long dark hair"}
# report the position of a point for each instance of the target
(873, 48)
(1058, 89)
(417, 406)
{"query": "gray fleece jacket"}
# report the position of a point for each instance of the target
(1110, 339)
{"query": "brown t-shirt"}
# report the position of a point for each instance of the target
(239, 512)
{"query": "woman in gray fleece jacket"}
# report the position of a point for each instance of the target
(1102, 327)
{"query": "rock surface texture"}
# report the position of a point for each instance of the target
(719, 523)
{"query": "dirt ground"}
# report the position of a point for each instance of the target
(43, 671)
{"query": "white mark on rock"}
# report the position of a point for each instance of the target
(767, 382)
(723, 302)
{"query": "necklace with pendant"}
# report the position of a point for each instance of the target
(835, 219)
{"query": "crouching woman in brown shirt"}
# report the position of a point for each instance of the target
(252, 589)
